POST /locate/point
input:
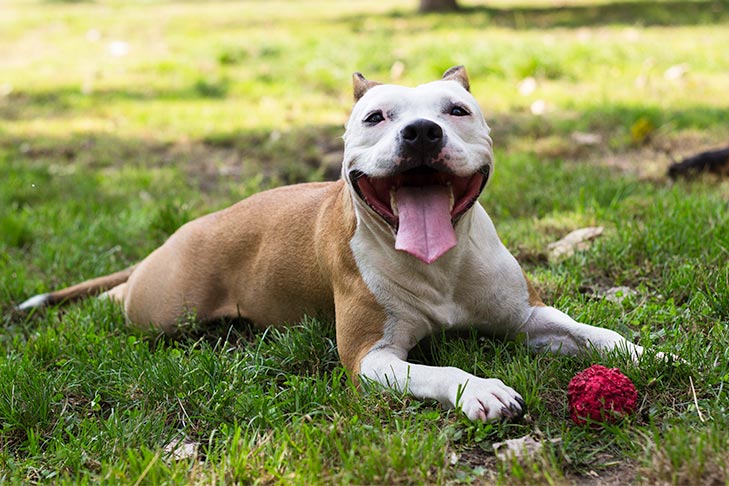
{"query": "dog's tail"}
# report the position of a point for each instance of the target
(79, 291)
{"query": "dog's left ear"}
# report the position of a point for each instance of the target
(361, 85)
(459, 75)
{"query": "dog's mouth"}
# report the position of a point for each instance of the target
(422, 205)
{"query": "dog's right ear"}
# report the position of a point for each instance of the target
(459, 75)
(361, 85)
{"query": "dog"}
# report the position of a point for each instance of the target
(396, 249)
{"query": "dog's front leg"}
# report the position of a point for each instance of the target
(478, 398)
(552, 330)
(374, 355)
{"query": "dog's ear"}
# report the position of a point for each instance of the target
(459, 75)
(361, 85)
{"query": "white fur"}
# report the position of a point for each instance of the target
(477, 284)
(35, 301)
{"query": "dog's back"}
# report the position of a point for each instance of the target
(270, 235)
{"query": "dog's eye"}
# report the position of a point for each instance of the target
(457, 110)
(375, 117)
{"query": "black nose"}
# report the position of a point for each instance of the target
(422, 137)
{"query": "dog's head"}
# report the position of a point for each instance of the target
(418, 158)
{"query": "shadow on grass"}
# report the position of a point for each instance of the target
(311, 153)
(639, 13)
(613, 123)
(29, 105)
(260, 159)
(308, 142)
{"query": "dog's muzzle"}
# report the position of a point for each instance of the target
(379, 192)
(422, 204)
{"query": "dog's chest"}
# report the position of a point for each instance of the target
(476, 283)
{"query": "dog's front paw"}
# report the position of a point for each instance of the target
(489, 399)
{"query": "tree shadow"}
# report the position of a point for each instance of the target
(298, 154)
(29, 105)
(639, 13)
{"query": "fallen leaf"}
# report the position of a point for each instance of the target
(522, 448)
(585, 138)
(617, 294)
(453, 459)
(641, 130)
(578, 240)
(180, 449)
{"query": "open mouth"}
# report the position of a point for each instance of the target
(380, 193)
(422, 205)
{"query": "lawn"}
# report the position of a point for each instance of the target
(119, 121)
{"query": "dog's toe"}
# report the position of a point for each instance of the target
(487, 400)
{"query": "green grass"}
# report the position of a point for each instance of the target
(102, 157)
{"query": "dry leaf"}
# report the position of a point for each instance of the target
(617, 294)
(180, 449)
(577, 240)
(586, 138)
(522, 448)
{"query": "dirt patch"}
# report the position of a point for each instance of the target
(615, 475)
(485, 465)
(649, 161)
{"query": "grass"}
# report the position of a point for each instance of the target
(103, 155)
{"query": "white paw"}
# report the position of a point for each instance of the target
(489, 399)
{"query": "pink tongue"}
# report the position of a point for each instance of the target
(424, 228)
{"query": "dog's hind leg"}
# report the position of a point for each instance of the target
(117, 294)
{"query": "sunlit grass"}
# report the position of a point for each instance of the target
(119, 121)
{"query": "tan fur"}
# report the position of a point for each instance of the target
(271, 259)
(361, 85)
(89, 287)
(459, 75)
(534, 299)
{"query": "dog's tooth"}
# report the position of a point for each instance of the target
(393, 202)
(452, 199)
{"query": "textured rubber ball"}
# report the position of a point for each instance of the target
(601, 395)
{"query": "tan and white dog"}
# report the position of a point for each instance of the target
(396, 249)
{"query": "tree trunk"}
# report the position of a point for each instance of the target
(438, 5)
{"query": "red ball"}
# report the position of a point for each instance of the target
(601, 395)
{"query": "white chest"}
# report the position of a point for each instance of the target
(477, 283)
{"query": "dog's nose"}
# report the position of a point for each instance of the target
(422, 136)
